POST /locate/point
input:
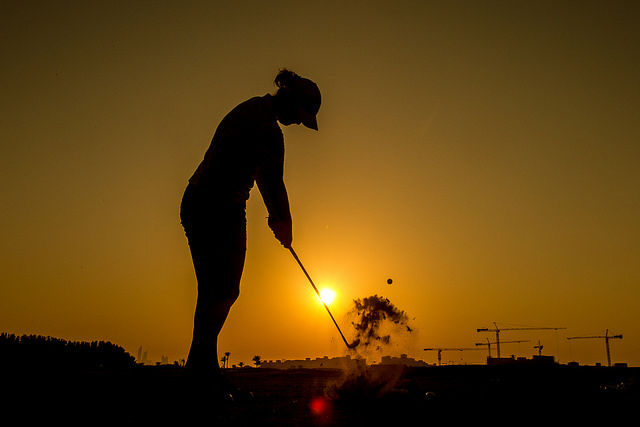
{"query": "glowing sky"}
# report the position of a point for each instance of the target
(482, 154)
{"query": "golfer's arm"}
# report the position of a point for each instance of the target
(274, 193)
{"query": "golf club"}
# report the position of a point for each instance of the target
(353, 344)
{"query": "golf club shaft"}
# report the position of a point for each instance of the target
(318, 293)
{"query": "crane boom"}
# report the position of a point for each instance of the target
(606, 337)
(497, 330)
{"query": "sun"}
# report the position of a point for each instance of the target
(327, 295)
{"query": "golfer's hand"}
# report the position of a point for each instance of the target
(283, 232)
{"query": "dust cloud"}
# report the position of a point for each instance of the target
(376, 320)
(380, 326)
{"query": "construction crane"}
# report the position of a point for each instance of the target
(606, 337)
(498, 330)
(489, 344)
(440, 350)
(539, 347)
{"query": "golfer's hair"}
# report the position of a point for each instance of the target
(285, 79)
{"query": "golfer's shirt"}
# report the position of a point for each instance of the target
(247, 140)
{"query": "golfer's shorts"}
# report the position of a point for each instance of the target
(217, 236)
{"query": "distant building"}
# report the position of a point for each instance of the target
(142, 357)
(325, 362)
(345, 362)
(402, 360)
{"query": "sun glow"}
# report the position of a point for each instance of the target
(327, 295)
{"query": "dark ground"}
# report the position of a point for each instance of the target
(158, 396)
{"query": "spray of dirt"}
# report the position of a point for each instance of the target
(376, 320)
(380, 326)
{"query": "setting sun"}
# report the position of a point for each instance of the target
(327, 295)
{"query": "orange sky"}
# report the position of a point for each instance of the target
(484, 155)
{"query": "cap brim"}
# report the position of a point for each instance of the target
(308, 119)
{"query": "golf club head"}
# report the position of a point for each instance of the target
(354, 344)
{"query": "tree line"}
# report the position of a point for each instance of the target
(35, 351)
(257, 360)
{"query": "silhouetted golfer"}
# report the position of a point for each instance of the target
(248, 146)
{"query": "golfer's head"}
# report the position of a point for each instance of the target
(301, 98)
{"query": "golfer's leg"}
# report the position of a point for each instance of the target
(218, 277)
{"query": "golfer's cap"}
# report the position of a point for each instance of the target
(309, 99)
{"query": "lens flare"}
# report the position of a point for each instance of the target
(321, 408)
